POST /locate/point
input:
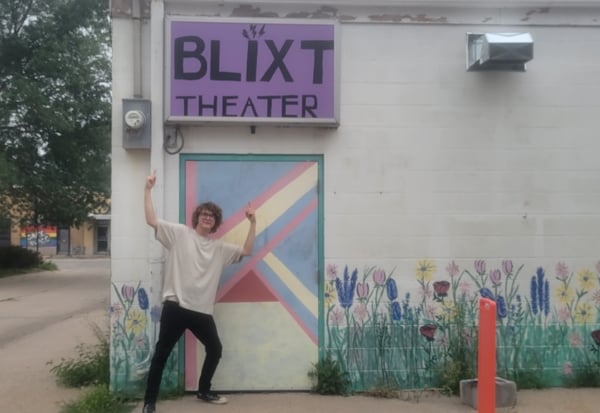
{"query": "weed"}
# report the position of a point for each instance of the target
(91, 367)
(99, 400)
(585, 376)
(529, 379)
(383, 391)
(329, 377)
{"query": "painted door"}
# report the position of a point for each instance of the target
(267, 305)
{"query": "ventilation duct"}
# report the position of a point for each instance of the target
(498, 51)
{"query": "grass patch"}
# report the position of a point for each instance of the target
(99, 399)
(44, 266)
(91, 368)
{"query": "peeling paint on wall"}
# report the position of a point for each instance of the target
(543, 10)
(399, 18)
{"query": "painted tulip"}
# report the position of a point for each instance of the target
(480, 266)
(379, 277)
(362, 290)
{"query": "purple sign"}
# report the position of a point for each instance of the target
(252, 72)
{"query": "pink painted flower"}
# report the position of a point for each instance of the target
(596, 297)
(430, 311)
(496, 277)
(507, 267)
(568, 368)
(379, 276)
(337, 317)
(464, 287)
(480, 266)
(332, 272)
(361, 313)
(116, 310)
(362, 290)
(575, 339)
(426, 291)
(452, 269)
(563, 315)
(562, 271)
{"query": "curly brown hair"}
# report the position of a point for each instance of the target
(214, 209)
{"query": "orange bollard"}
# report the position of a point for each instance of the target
(486, 361)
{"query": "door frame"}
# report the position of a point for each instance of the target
(319, 159)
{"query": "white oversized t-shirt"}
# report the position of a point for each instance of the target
(194, 265)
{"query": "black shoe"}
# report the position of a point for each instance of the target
(212, 397)
(149, 408)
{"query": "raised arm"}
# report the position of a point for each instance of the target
(148, 206)
(249, 244)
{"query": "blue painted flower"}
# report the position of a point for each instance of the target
(155, 313)
(534, 295)
(396, 311)
(142, 299)
(546, 298)
(345, 290)
(391, 289)
(540, 293)
(501, 309)
(487, 293)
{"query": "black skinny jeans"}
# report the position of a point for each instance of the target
(174, 320)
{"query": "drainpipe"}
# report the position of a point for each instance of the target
(136, 16)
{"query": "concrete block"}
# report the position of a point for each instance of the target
(506, 392)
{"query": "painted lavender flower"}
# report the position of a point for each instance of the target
(501, 309)
(540, 293)
(345, 290)
(396, 311)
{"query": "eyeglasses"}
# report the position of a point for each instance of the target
(207, 214)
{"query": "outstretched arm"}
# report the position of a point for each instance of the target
(249, 244)
(148, 206)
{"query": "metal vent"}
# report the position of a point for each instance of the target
(499, 51)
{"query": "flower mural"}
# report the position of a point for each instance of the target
(134, 325)
(380, 335)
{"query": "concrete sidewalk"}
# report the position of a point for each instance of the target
(528, 401)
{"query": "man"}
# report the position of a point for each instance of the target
(194, 265)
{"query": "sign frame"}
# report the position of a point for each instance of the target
(331, 90)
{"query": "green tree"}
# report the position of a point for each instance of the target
(54, 109)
